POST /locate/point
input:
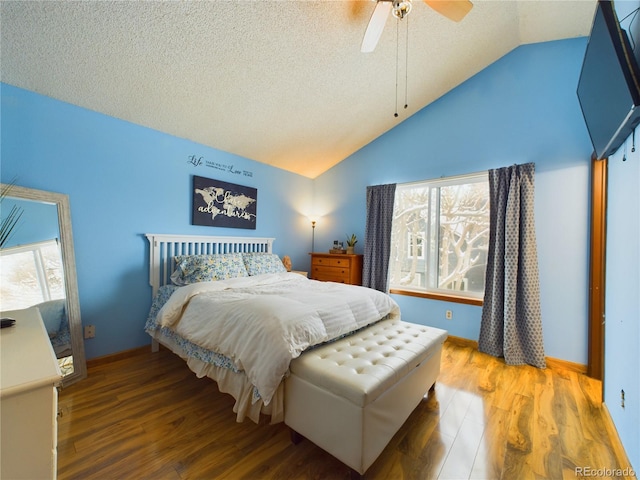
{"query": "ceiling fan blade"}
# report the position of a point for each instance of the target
(376, 25)
(454, 10)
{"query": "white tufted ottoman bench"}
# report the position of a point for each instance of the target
(351, 396)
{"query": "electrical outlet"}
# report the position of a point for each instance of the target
(89, 331)
(449, 314)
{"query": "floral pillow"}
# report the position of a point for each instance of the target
(205, 268)
(259, 263)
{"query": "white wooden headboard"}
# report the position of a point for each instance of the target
(163, 247)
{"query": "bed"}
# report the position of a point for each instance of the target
(247, 273)
(280, 343)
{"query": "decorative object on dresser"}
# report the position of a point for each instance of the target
(338, 247)
(341, 268)
(29, 374)
(351, 243)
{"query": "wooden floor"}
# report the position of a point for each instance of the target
(149, 417)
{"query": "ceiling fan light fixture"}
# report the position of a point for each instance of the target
(454, 10)
(401, 8)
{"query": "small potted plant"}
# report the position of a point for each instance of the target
(351, 243)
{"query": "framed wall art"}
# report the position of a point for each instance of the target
(222, 204)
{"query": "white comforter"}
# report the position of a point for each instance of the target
(263, 322)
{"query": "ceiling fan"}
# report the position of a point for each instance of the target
(454, 10)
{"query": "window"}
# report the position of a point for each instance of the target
(414, 244)
(31, 274)
(440, 236)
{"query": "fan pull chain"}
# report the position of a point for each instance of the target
(406, 61)
(406, 68)
(397, 61)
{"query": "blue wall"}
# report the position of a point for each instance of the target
(622, 329)
(124, 180)
(523, 108)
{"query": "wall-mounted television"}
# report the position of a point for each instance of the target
(609, 85)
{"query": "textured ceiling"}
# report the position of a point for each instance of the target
(279, 82)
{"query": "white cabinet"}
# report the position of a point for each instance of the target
(29, 375)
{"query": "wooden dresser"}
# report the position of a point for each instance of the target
(29, 375)
(341, 268)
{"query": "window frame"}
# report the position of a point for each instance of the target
(435, 293)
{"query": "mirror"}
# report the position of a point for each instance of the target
(59, 299)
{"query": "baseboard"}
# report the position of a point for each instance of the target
(558, 364)
(554, 363)
(462, 342)
(113, 357)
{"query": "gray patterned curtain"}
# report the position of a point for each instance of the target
(377, 236)
(511, 320)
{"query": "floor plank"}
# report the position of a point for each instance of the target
(148, 416)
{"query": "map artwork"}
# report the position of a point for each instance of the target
(222, 204)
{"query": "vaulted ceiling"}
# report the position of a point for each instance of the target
(279, 82)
